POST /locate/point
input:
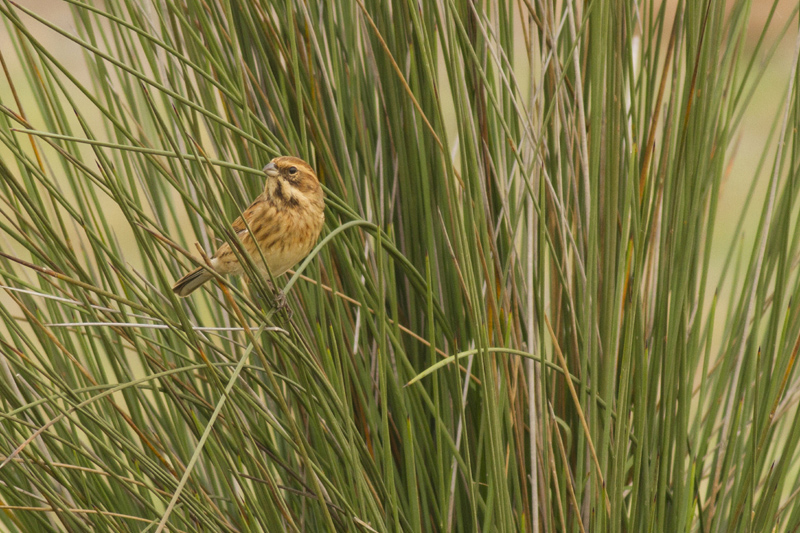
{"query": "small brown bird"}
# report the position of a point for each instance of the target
(285, 221)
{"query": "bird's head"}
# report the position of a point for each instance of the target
(291, 181)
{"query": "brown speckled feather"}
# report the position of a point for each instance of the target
(285, 219)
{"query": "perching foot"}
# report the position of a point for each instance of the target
(281, 304)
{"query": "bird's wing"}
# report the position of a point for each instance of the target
(238, 225)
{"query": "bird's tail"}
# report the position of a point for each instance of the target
(191, 281)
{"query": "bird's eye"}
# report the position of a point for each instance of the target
(292, 170)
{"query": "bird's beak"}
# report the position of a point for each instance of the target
(271, 170)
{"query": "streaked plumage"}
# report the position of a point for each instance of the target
(285, 219)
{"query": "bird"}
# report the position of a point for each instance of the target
(284, 221)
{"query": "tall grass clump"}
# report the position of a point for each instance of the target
(520, 315)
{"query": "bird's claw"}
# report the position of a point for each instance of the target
(281, 304)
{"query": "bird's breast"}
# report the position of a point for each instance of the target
(293, 240)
